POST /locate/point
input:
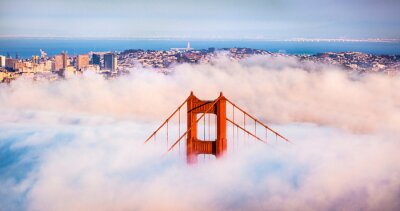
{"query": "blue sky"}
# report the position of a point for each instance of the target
(268, 19)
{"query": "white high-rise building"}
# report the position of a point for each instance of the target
(2, 61)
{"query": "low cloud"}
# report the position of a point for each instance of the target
(77, 144)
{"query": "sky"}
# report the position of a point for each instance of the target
(238, 19)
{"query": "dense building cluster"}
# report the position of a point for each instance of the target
(113, 64)
(359, 62)
(58, 66)
(165, 60)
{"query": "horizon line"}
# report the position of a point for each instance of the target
(206, 38)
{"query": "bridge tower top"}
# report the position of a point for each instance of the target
(195, 146)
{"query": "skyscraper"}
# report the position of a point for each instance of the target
(2, 61)
(96, 60)
(61, 62)
(110, 62)
(65, 59)
(82, 61)
(58, 63)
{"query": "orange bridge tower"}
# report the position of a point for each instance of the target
(194, 146)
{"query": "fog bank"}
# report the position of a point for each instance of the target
(77, 144)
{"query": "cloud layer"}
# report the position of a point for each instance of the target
(77, 144)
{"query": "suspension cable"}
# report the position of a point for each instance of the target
(264, 125)
(154, 133)
(184, 134)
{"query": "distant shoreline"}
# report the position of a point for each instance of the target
(300, 40)
(26, 47)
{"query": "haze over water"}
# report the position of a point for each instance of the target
(28, 47)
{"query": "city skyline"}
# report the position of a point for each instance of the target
(275, 19)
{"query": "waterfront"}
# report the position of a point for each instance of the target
(25, 48)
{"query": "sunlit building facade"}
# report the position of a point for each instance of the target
(82, 61)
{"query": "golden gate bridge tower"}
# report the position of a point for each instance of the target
(197, 112)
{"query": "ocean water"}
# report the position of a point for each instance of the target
(25, 48)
